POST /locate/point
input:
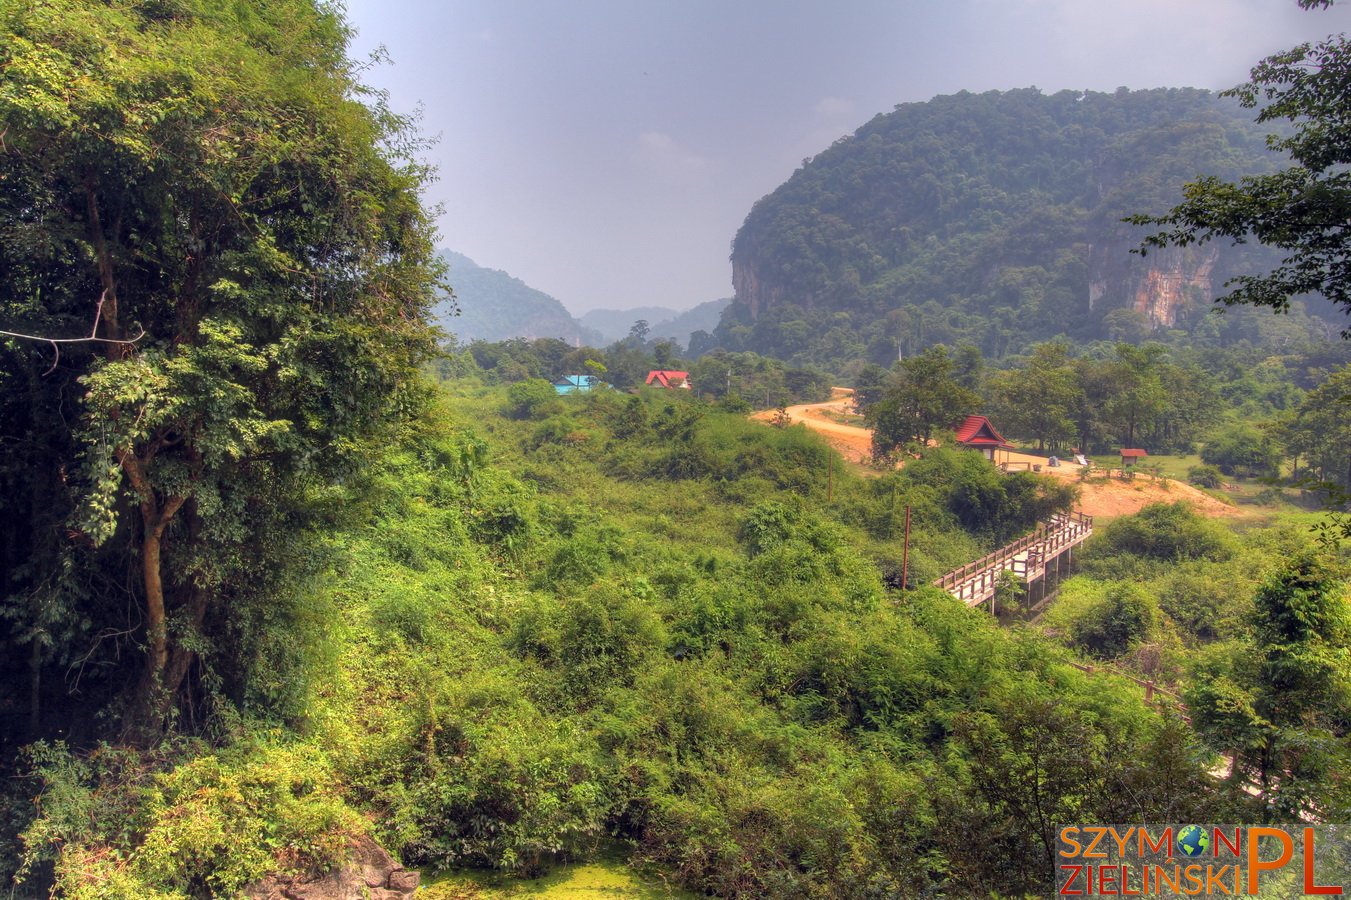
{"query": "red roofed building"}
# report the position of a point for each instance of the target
(977, 433)
(668, 378)
(1130, 455)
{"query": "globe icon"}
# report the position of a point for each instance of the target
(1193, 840)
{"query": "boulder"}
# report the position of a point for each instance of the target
(369, 873)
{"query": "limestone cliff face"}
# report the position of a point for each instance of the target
(753, 292)
(1161, 286)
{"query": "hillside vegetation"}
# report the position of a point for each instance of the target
(491, 305)
(284, 583)
(637, 618)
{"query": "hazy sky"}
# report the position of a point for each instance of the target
(606, 151)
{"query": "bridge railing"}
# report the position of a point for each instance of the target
(989, 560)
(977, 579)
(1151, 689)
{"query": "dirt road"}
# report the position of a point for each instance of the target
(852, 441)
(1105, 498)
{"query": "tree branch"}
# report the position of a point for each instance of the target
(92, 338)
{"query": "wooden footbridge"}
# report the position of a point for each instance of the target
(1044, 556)
(1040, 557)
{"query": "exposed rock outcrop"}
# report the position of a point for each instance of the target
(1159, 287)
(370, 873)
(749, 288)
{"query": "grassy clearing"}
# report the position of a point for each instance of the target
(843, 418)
(605, 878)
(1169, 466)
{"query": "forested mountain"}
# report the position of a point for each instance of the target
(494, 306)
(683, 327)
(994, 219)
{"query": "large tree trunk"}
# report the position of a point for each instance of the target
(108, 306)
(154, 695)
(157, 630)
(181, 658)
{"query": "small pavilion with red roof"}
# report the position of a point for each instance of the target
(668, 378)
(976, 433)
(1131, 455)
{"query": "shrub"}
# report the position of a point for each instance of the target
(503, 517)
(1206, 600)
(526, 399)
(1166, 532)
(1242, 450)
(1269, 496)
(767, 526)
(1125, 616)
(1205, 476)
(984, 501)
(590, 642)
(116, 828)
(735, 404)
(581, 559)
(522, 791)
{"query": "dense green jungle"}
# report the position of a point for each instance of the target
(289, 578)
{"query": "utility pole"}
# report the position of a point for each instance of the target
(905, 553)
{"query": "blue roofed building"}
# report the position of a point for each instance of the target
(576, 384)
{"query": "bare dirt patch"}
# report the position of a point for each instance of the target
(1108, 498)
(1100, 497)
(852, 442)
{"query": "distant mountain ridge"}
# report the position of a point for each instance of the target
(614, 324)
(991, 219)
(494, 306)
(662, 322)
(703, 317)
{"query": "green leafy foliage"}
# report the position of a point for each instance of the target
(238, 219)
(1317, 430)
(1205, 476)
(504, 628)
(1281, 697)
(118, 828)
(1241, 450)
(702, 663)
(531, 397)
(922, 395)
(984, 501)
(1124, 617)
(1167, 532)
(1298, 210)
